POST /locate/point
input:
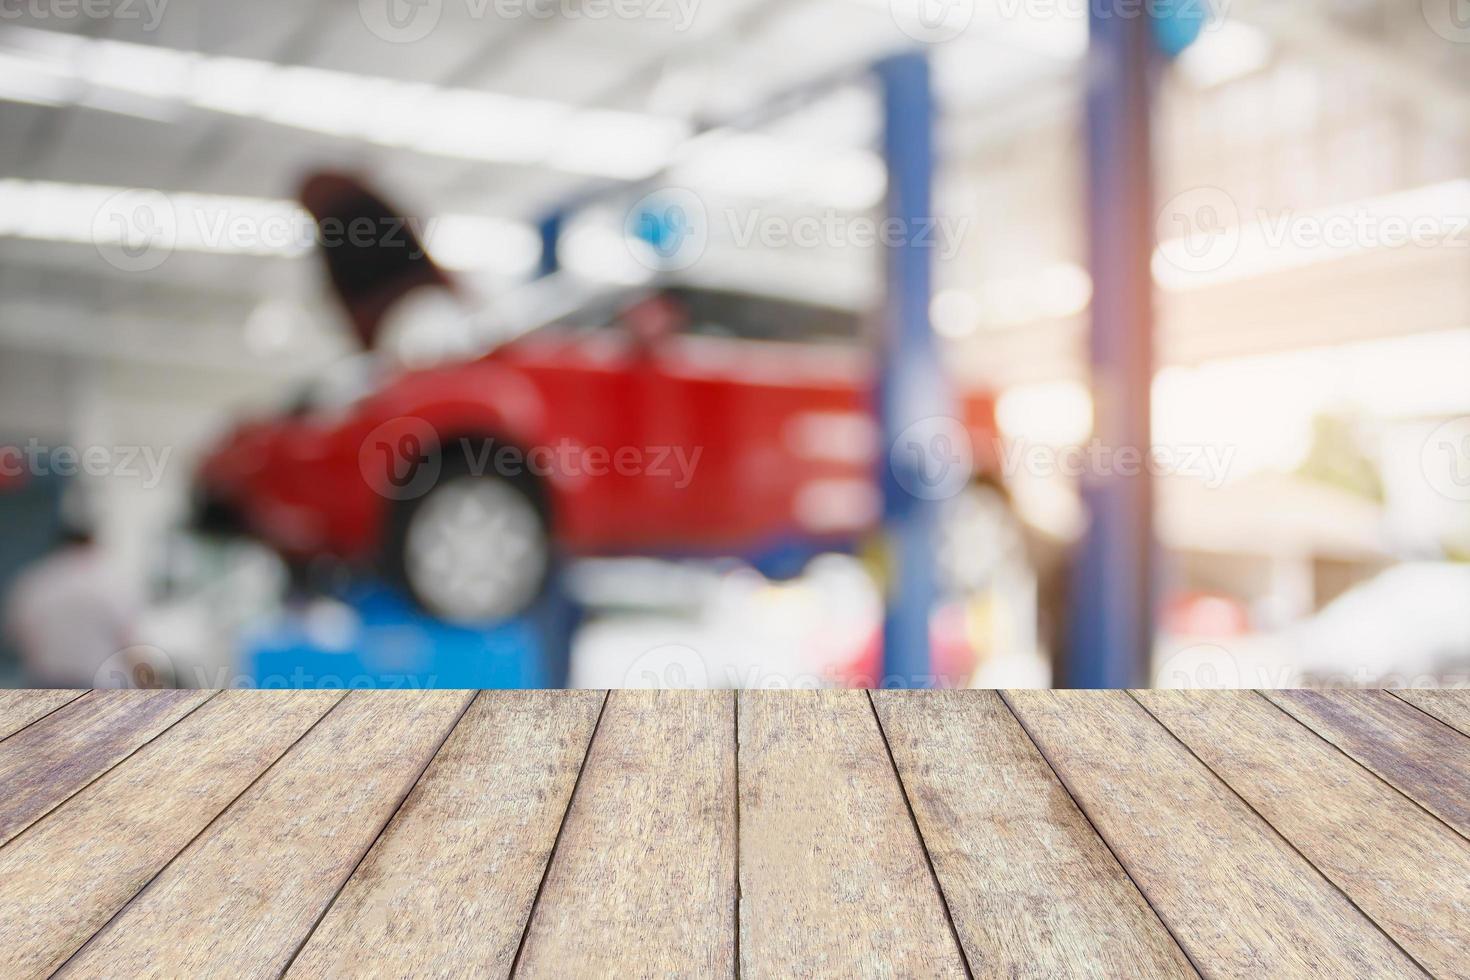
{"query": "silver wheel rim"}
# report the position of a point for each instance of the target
(475, 550)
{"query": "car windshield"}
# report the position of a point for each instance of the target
(714, 313)
(727, 314)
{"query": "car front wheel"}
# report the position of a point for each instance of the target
(474, 549)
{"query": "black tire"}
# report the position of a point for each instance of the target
(451, 571)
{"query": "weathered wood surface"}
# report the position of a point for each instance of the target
(47, 761)
(66, 875)
(448, 887)
(243, 896)
(1407, 870)
(816, 834)
(1424, 758)
(833, 876)
(642, 883)
(1033, 890)
(1450, 707)
(19, 708)
(1241, 901)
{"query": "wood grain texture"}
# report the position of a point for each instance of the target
(642, 883)
(1034, 892)
(1450, 707)
(46, 762)
(67, 874)
(1237, 897)
(447, 890)
(19, 708)
(1421, 756)
(833, 876)
(1401, 866)
(243, 896)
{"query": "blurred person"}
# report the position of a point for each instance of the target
(68, 614)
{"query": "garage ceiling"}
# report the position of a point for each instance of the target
(97, 101)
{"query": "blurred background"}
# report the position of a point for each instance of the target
(734, 343)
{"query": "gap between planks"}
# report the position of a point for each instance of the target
(1275, 830)
(908, 804)
(515, 963)
(201, 832)
(1369, 769)
(1056, 775)
(327, 906)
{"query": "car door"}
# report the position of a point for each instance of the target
(764, 427)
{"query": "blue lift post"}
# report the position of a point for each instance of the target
(910, 381)
(1111, 625)
(910, 385)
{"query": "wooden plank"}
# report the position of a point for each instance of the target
(71, 871)
(1236, 896)
(1034, 892)
(43, 764)
(642, 883)
(1424, 758)
(1401, 866)
(19, 708)
(1450, 707)
(448, 887)
(833, 876)
(243, 896)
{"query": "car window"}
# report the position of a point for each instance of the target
(593, 318)
(726, 314)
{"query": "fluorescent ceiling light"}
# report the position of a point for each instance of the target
(1265, 243)
(225, 225)
(462, 123)
(21, 81)
(51, 68)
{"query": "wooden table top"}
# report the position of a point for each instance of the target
(705, 834)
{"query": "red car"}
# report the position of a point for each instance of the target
(671, 421)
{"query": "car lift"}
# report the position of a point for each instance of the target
(910, 385)
(395, 645)
(1111, 617)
